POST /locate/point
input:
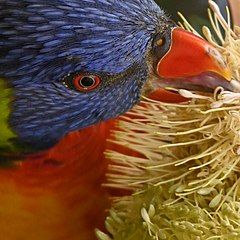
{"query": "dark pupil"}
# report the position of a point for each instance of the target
(87, 81)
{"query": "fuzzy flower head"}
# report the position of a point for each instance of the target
(187, 174)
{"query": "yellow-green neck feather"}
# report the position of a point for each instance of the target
(5, 131)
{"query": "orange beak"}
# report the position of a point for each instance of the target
(192, 63)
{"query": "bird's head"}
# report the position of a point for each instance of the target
(71, 64)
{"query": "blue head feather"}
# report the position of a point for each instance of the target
(42, 41)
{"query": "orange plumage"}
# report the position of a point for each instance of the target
(57, 195)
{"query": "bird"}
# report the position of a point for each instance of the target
(68, 68)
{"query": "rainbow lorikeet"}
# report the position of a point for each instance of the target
(65, 67)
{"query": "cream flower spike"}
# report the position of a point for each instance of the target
(186, 178)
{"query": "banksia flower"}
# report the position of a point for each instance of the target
(186, 174)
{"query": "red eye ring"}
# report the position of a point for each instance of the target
(86, 83)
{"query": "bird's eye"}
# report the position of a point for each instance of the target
(86, 82)
(82, 82)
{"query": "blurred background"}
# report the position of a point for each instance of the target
(196, 10)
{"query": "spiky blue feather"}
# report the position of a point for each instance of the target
(41, 41)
